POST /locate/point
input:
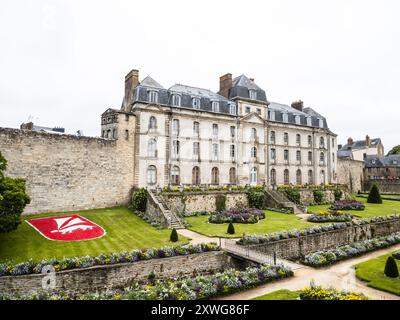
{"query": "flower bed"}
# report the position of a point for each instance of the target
(29, 267)
(319, 293)
(200, 287)
(330, 216)
(281, 210)
(348, 205)
(328, 257)
(245, 215)
(203, 188)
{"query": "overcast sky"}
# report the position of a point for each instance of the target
(62, 63)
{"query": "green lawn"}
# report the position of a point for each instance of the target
(125, 231)
(388, 207)
(274, 221)
(372, 272)
(283, 294)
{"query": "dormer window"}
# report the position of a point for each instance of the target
(253, 94)
(394, 161)
(272, 115)
(176, 100)
(215, 106)
(297, 119)
(232, 108)
(285, 117)
(321, 123)
(196, 103)
(153, 96)
(309, 121)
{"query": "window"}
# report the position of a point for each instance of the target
(175, 175)
(309, 121)
(333, 157)
(298, 177)
(103, 135)
(196, 150)
(109, 133)
(152, 123)
(153, 96)
(175, 127)
(286, 176)
(233, 132)
(297, 119)
(253, 94)
(152, 148)
(196, 176)
(232, 175)
(272, 115)
(322, 158)
(254, 152)
(298, 156)
(273, 155)
(272, 137)
(253, 176)
(127, 117)
(273, 176)
(309, 156)
(333, 143)
(321, 123)
(214, 176)
(286, 155)
(176, 100)
(322, 177)
(215, 130)
(196, 129)
(310, 177)
(215, 151)
(232, 108)
(126, 134)
(232, 151)
(175, 149)
(215, 106)
(322, 142)
(247, 109)
(151, 175)
(285, 117)
(253, 133)
(309, 141)
(196, 103)
(114, 133)
(259, 111)
(286, 138)
(298, 139)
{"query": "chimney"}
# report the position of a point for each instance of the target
(225, 84)
(367, 141)
(131, 81)
(340, 146)
(27, 126)
(298, 105)
(252, 79)
(350, 141)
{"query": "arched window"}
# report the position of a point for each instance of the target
(153, 123)
(253, 133)
(176, 100)
(298, 139)
(153, 96)
(254, 152)
(215, 106)
(151, 175)
(196, 176)
(309, 121)
(232, 175)
(114, 134)
(322, 158)
(196, 129)
(232, 108)
(322, 142)
(175, 175)
(196, 103)
(253, 176)
(322, 177)
(285, 117)
(297, 119)
(175, 127)
(286, 138)
(152, 148)
(298, 177)
(310, 177)
(215, 176)
(286, 176)
(272, 137)
(273, 176)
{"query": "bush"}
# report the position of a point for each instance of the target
(293, 195)
(374, 195)
(231, 228)
(256, 196)
(13, 199)
(318, 196)
(338, 194)
(220, 202)
(396, 255)
(174, 235)
(391, 269)
(139, 200)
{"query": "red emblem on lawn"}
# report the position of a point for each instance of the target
(67, 228)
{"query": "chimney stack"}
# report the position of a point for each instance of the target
(131, 81)
(27, 126)
(252, 79)
(350, 141)
(225, 84)
(298, 105)
(367, 141)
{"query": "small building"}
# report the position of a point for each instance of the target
(30, 126)
(360, 149)
(384, 172)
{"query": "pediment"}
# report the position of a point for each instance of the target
(252, 117)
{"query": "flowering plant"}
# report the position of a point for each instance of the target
(319, 293)
(244, 215)
(347, 205)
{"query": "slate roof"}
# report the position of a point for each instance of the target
(345, 154)
(361, 144)
(241, 86)
(388, 161)
(151, 83)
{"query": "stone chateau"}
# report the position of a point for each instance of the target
(186, 135)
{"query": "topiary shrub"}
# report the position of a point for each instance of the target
(231, 228)
(318, 196)
(374, 195)
(139, 200)
(255, 197)
(391, 269)
(220, 202)
(338, 194)
(293, 195)
(174, 236)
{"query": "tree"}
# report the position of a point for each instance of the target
(13, 199)
(174, 236)
(231, 228)
(374, 195)
(395, 150)
(391, 269)
(139, 200)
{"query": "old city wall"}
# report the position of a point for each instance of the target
(350, 173)
(66, 172)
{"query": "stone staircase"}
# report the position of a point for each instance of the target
(172, 219)
(284, 202)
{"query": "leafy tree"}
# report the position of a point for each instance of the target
(231, 228)
(139, 200)
(174, 235)
(395, 150)
(13, 199)
(256, 197)
(374, 195)
(391, 269)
